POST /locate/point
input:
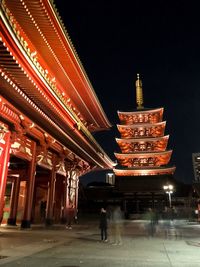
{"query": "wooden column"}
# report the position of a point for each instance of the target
(125, 208)
(14, 201)
(67, 191)
(76, 198)
(137, 209)
(4, 159)
(64, 211)
(137, 206)
(153, 200)
(26, 222)
(71, 209)
(51, 195)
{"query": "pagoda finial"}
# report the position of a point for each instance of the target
(139, 93)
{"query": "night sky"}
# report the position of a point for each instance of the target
(116, 39)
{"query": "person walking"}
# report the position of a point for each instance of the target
(103, 225)
(43, 205)
(151, 222)
(117, 225)
(70, 217)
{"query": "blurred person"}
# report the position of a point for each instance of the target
(103, 224)
(117, 225)
(167, 221)
(110, 223)
(43, 205)
(70, 217)
(174, 213)
(152, 221)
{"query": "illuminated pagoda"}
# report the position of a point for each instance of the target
(143, 142)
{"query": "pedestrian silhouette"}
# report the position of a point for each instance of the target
(151, 219)
(103, 225)
(117, 225)
(70, 216)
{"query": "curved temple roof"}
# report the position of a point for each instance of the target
(142, 130)
(144, 171)
(47, 84)
(143, 144)
(38, 22)
(145, 158)
(144, 115)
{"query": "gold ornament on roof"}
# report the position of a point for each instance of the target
(139, 93)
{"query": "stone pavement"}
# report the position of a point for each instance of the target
(80, 247)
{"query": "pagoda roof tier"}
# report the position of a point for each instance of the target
(142, 130)
(143, 144)
(141, 116)
(144, 159)
(145, 171)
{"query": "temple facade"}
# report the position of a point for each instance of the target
(48, 112)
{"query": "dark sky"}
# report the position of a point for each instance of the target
(116, 39)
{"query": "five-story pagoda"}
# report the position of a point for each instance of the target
(143, 142)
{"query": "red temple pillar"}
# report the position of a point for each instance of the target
(14, 201)
(51, 196)
(67, 191)
(4, 159)
(26, 222)
(71, 209)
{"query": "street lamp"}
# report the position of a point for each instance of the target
(169, 190)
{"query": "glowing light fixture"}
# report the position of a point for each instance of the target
(169, 190)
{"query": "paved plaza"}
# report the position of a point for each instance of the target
(81, 246)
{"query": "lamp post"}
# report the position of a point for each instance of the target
(169, 190)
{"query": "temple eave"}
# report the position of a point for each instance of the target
(144, 139)
(67, 57)
(157, 110)
(137, 125)
(139, 154)
(144, 171)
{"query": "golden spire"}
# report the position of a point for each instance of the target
(139, 93)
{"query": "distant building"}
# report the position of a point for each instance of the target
(196, 167)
